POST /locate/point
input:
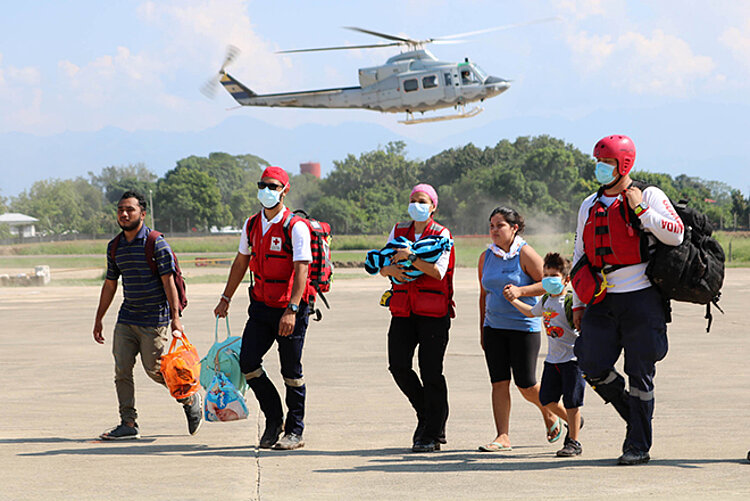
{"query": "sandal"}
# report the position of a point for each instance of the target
(495, 447)
(556, 426)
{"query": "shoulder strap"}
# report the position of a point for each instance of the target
(249, 228)
(569, 308)
(150, 247)
(545, 296)
(115, 243)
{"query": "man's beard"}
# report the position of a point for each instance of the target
(129, 227)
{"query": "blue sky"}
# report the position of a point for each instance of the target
(138, 65)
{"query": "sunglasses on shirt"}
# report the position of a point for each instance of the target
(262, 185)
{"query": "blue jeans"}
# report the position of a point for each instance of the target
(261, 330)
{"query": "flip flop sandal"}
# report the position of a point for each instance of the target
(495, 447)
(556, 426)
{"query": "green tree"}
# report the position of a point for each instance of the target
(187, 198)
(114, 180)
(235, 177)
(64, 206)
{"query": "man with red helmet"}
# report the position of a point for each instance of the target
(617, 229)
(275, 246)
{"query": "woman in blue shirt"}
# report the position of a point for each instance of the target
(510, 269)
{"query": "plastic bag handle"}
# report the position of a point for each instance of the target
(182, 337)
(216, 329)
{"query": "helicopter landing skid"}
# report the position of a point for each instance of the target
(463, 114)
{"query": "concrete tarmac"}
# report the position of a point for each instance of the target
(57, 395)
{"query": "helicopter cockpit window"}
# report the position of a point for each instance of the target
(429, 82)
(411, 85)
(479, 73)
(470, 75)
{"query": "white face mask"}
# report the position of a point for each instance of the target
(269, 198)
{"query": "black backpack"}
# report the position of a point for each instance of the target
(693, 271)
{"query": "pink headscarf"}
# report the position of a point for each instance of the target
(427, 190)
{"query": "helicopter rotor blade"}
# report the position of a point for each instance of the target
(498, 28)
(209, 88)
(342, 47)
(383, 35)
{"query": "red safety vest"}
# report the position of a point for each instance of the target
(425, 296)
(610, 238)
(271, 262)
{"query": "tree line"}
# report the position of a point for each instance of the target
(542, 177)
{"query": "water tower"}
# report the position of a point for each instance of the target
(310, 168)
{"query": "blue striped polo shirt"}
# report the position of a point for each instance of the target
(145, 302)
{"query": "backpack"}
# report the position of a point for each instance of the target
(179, 281)
(568, 307)
(693, 271)
(321, 267)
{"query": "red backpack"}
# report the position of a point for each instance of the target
(179, 281)
(321, 267)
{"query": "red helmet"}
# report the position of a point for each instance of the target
(618, 147)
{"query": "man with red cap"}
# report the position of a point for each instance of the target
(275, 246)
(615, 305)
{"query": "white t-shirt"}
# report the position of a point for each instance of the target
(560, 336)
(443, 260)
(301, 250)
(660, 221)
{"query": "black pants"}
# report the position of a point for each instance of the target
(261, 330)
(428, 396)
(634, 322)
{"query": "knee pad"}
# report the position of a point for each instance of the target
(611, 387)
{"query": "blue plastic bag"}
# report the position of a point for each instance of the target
(223, 357)
(223, 402)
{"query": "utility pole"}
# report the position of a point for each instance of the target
(151, 203)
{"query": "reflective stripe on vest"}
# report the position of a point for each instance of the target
(425, 296)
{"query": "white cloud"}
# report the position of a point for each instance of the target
(582, 9)
(590, 51)
(200, 31)
(738, 42)
(145, 88)
(663, 64)
(659, 64)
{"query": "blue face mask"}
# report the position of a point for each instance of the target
(269, 198)
(604, 173)
(553, 285)
(419, 212)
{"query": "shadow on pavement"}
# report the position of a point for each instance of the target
(136, 448)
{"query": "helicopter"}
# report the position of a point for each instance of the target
(414, 81)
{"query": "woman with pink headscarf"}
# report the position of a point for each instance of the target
(421, 312)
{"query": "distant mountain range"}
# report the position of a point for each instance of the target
(669, 139)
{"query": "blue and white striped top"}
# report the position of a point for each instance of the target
(145, 302)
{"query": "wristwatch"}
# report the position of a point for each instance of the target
(294, 308)
(640, 208)
(412, 257)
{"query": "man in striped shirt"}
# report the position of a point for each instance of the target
(150, 307)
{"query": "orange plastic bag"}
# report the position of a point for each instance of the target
(181, 368)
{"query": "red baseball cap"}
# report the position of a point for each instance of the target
(276, 173)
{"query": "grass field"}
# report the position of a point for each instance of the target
(64, 257)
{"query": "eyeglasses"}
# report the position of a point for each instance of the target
(262, 185)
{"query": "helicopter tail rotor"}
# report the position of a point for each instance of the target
(209, 88)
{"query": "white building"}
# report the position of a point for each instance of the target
(20, 224)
